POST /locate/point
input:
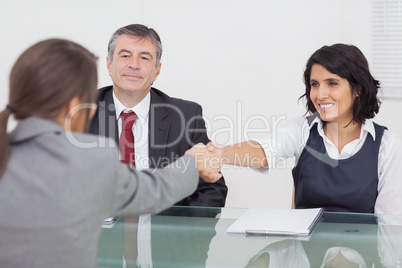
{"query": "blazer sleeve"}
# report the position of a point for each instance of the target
(207, 194)
(151, 191)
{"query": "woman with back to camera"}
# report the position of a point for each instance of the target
(57, 184)
(344, 161)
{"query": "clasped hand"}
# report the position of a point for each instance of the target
(209, 161)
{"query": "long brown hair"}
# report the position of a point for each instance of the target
(43, 80)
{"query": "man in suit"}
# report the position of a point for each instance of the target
(163, 130)
(165, 127)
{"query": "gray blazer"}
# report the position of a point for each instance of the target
(59, 186)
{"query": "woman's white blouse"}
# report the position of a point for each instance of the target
(289, 141)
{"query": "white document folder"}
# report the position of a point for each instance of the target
(269, 221)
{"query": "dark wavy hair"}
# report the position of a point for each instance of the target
(348, 62)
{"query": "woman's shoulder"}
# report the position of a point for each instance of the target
(390, 147)
(391, 139)
(98, 147)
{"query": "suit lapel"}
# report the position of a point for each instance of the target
(158, 131)
(107, 117)
(159, 126)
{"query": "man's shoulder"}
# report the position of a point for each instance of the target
(103, 93)
(158, 96)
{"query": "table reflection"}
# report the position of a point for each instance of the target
(178, 237)
(286, 253)
(196, 237)
(390, 240)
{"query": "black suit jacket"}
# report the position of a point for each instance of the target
(175, 125)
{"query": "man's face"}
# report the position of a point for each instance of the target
(133, 68)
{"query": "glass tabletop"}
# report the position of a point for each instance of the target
(197, 237)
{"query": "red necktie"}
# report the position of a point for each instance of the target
(127, 138)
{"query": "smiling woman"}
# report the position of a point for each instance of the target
(348, 64)
(331, 95)
(336, 140)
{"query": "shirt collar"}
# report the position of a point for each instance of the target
(367, 126)
(141, 109)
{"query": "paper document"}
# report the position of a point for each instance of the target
(267, 221)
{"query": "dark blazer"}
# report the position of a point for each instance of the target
(175, 125)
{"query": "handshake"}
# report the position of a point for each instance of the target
(209, 159)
